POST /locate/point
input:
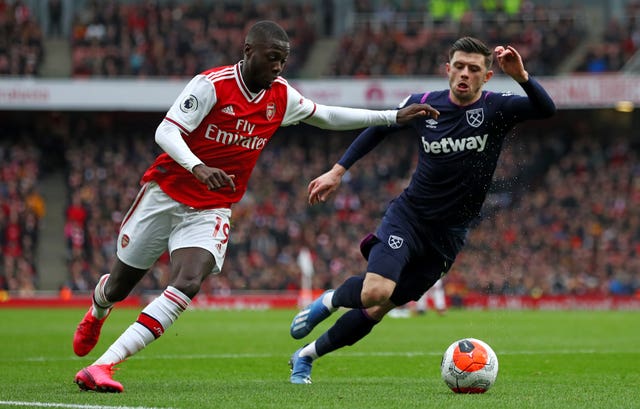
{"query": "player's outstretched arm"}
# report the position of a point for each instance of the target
(344, 118)
(538, 103)
(324, 185)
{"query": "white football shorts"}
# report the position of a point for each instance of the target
(156, 223)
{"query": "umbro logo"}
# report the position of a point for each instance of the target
(430, 123)
(228, 110)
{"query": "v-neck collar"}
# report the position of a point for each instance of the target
(250, 96)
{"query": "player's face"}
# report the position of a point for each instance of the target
(263, 62)
(467, 74)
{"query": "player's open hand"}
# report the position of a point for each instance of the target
(214, 178)
(324, 185)
(510, 63)
(413, 111)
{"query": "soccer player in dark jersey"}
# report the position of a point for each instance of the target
(424, 228)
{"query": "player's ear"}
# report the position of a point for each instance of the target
(488, 75)
(248, 49)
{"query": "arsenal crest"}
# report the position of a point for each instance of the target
(125, 241)
(475, 117)
(395, 242)
(271, 111)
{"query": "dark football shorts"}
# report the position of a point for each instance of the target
(414, 256)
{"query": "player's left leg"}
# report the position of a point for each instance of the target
(134, 257)
(355, 324)
(195, 253)
(414, 280)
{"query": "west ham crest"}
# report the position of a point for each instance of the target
(475, 117)
(271, 111)
(395, 242)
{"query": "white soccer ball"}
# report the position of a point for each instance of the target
(469, 366)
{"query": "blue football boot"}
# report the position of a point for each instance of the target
(307, 319)
(300, 368)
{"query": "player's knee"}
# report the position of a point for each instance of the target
(376, 290)
(187, 287)
(122, 279)
(190, 267)
(375, 295)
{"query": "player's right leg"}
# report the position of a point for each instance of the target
(134, 258)
(129, 267)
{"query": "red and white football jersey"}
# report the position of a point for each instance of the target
(226, 126)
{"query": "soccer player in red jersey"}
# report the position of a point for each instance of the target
(211, 136)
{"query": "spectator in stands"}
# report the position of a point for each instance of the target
(177, 39)
(21, 42)
(21, 208)
(54, 10)
(545, 35)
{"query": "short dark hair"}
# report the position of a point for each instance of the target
(473, 46)
(266, 31)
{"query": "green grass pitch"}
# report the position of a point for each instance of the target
(238, 359)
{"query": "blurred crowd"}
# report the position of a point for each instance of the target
(619, 42)
(21, 40)
(577, 231)
(178, 39)
(561, 217)
(143, 38)
(414, 39)
(22, 208)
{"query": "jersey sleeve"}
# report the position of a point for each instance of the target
(194, 103)
(536, 104)
(298, 107)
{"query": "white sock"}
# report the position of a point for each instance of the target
(152, 322)
(101, 306)
(326, 301)
(310, 350)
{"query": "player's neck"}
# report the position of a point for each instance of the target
(464, 102)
